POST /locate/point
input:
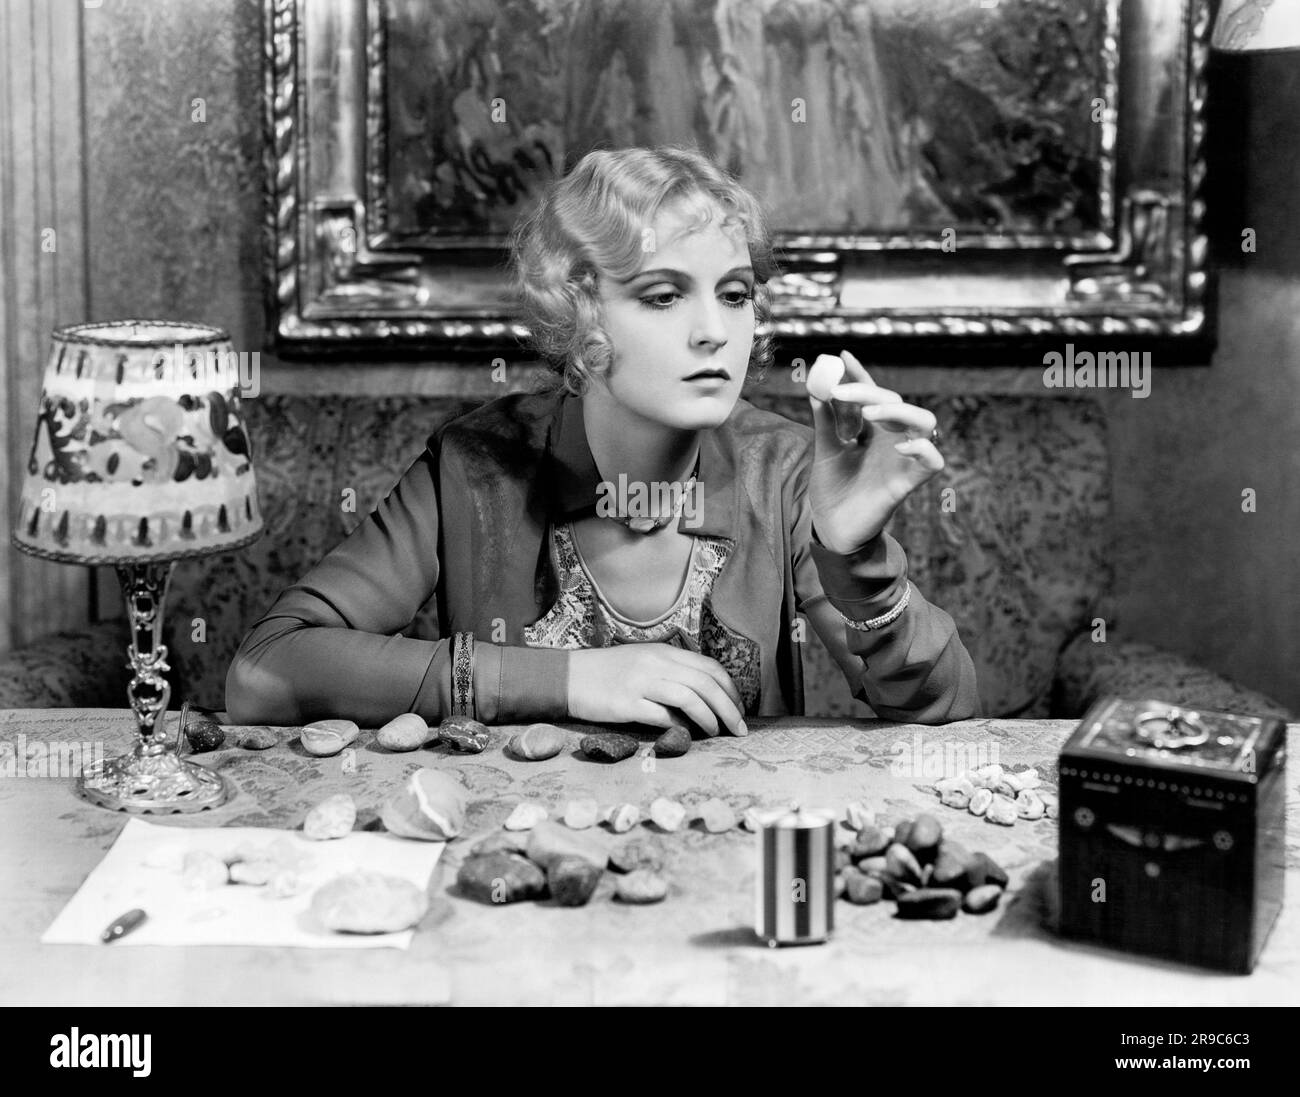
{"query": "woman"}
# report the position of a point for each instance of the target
(633, 543)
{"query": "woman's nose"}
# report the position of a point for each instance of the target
(710, 326)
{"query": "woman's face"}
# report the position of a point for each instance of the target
(688, 309)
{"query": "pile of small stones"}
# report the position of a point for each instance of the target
(534, 856)
(997, 794)
(927, 875)
(510, 866)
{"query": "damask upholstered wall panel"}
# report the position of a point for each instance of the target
(174, 185)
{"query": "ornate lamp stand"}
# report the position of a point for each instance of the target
(152, 777)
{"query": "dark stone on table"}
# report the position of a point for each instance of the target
(501, 877)
(464, 734)
(930, 903)
(894, 887)
(257, 738)
(608, 747)
(952, 868)
(572, 881)
(673, 743)
(204, 735)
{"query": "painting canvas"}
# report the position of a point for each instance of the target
(883, 117)
(987, 171)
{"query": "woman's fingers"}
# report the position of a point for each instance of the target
(855, 370)
(709, 666)
(667, 692)
(716, 697)
(826, 436)
(901, 417)
(923, 450)
(659, 716)
(865, 392)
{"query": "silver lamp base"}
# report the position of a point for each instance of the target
(152, 780)
(152, 777)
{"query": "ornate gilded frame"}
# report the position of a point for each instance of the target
(336, 282)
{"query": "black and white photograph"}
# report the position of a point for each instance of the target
(650, 503)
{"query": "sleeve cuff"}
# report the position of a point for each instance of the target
(861, 584)
(514, 685)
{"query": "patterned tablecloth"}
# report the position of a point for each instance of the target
(697, 947)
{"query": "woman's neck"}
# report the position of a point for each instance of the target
(624, 443)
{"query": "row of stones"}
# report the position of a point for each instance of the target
(409, 731)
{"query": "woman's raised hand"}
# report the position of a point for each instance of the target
(653, 684)
(855, 485)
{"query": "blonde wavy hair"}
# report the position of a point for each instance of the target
(591, 222)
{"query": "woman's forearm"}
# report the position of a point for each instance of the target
(289, 672)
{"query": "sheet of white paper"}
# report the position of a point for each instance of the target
(140, 871)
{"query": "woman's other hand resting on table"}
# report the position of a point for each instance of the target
(645, 683)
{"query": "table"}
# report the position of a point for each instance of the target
(697, 947)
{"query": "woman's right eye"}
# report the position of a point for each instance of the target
(649, 302)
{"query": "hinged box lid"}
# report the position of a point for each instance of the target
(1161, 735)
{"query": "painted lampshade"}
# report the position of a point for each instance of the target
(1257, 25)
(141, 452)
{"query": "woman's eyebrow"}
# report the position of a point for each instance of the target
(672, 272)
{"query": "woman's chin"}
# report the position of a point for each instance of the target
(689, 410)
(704, 411)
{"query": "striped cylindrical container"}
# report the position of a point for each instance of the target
(795, 898)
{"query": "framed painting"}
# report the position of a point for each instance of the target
(940, 174)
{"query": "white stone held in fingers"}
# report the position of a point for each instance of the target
(826, 373)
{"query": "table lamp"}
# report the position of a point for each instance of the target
(1257, 25)
(141, 458)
